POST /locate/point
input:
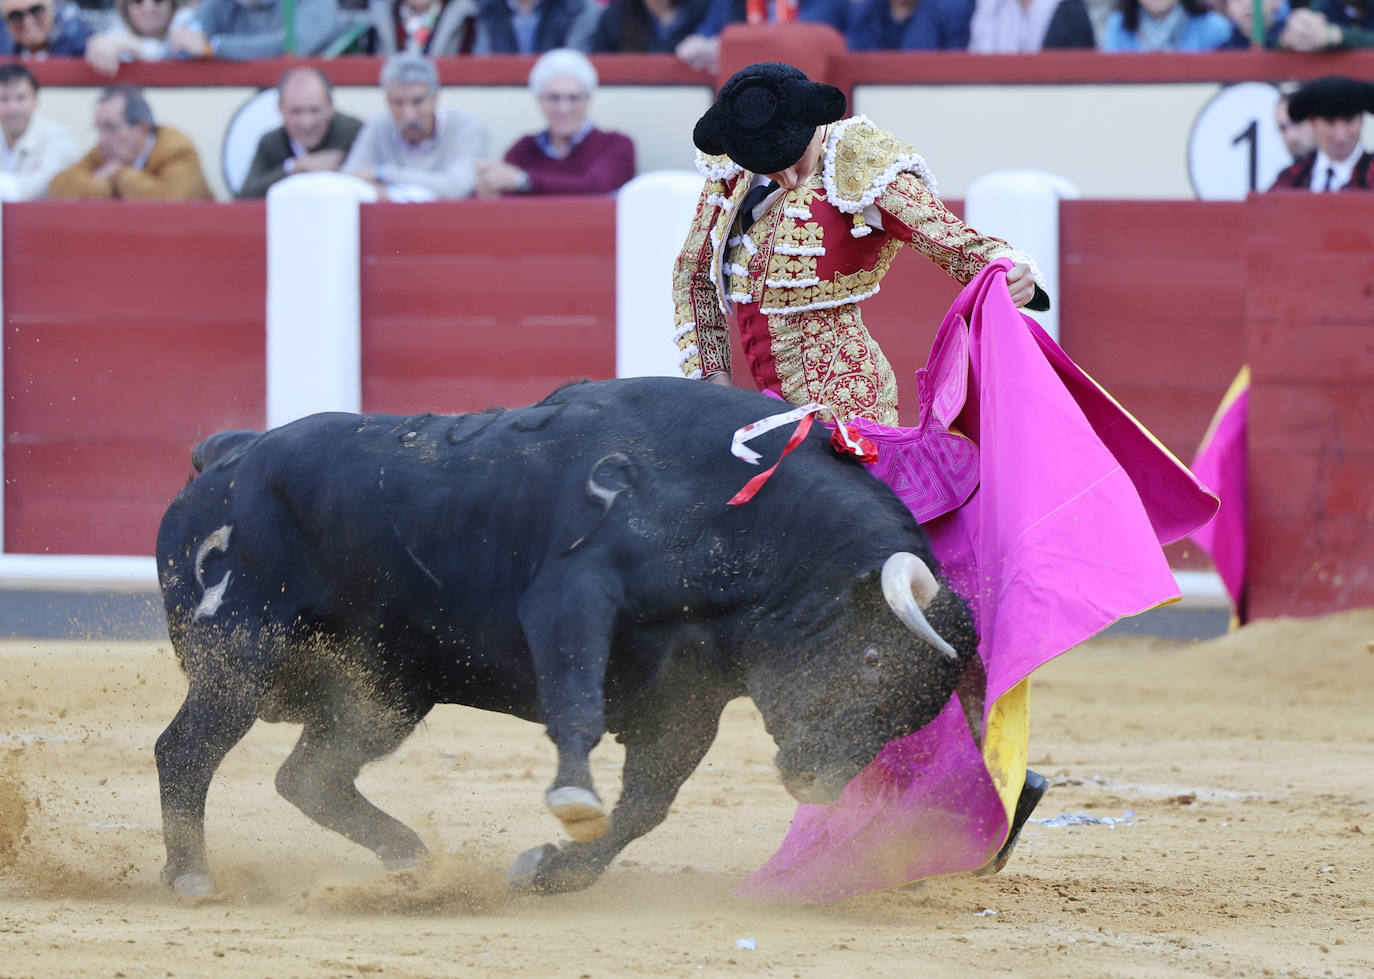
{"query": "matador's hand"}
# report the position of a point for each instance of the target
(1021, 284)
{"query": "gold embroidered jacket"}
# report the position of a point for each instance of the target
(793, 280)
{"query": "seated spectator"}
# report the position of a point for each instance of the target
(1329, 25)
(1336, 105)
(312, 137)
(139, 32)
(1297, 136)
(434, 27)
(648, 26)
(1165, 25)
(571, 156)
(35, 148)
(134, 157)
(1027, 26)
(1241, 14)
(42, 29)
(534, 26)
(909, 25)
(418, 151)
(242, 30)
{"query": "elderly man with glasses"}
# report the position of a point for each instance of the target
(571, 155)
(42, 29)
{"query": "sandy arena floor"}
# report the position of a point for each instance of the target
(1240, 771)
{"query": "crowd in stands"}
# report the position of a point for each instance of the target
(151, 30)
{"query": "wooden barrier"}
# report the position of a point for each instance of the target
(133, 330)
(1310, 344)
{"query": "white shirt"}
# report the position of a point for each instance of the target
(45, 149)
(1343, 170)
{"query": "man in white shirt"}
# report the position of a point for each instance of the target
(1337, 106)
(418, 151)
(34, 147)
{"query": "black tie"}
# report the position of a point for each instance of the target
(751, 202)
(1330, 179)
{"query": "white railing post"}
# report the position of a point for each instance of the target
(652, 215)
(314, 319)
(1022, 206)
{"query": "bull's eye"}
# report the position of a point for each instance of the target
(871, 658)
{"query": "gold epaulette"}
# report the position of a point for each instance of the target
(861, 160)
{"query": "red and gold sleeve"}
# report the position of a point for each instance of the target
(701, 329)
(911, 213)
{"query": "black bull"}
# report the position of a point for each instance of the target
(572, 563)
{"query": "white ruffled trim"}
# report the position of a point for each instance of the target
(823, 304)
(712, 169)
(685, 329)
(747, 242)
(905, 163)
(736, 269)
(741, 297)
(791, 283)
(694, 375)
(1022, 258)
(716, 200)
(797, 212)
(861, 231)
(687, 354)
(798, 250)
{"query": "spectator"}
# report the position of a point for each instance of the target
(140, 31)
(243, 30)
(1336, 105)
(35, 148)
(418, 151)
(571, 156)
(909, 25)
(1165, 25)
(1329, 25)
(534, 26)
(1296, 136)
(42, 29)
(1241, 14)
(434, 27)
(652, 26)
(134, 157)
(1027, 26)
(311, 138)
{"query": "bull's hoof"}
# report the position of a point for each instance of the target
(523, 875)
(579, 810)
(396, 859)
(552, 869)
(193, 885)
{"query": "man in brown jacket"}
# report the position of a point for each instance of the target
(133, 156)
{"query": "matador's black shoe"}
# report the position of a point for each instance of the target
(1031, 793)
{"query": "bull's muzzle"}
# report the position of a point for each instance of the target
(909, 587)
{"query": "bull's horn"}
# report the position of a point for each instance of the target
(909, 587)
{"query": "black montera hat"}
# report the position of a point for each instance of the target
(1332, 97)
(766, 115)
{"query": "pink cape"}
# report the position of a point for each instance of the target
(1220, 463)
(1046, 504)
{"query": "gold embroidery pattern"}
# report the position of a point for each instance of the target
(841, 288)
(694, 298)
(827, 356)
(863, 155)
(795, 233)
(935, 232)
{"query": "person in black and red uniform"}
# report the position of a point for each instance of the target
(1336, 105)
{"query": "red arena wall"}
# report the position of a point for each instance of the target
(133, 330)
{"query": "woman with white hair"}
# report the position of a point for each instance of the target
(571, 156)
